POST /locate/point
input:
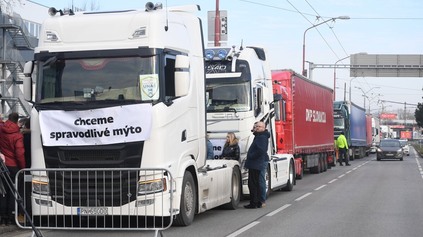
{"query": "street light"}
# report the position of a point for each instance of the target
(372, 98)
(331, 19)
(334, 76)
(365, 95)
(350, 87)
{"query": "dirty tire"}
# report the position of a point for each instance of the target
(291, 176)
(301, 175)
(235, 190)
(188, 201)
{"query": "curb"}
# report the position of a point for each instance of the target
(10, 228)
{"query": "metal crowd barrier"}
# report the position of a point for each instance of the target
(96, 199)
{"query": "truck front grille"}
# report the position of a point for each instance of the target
(81, 188)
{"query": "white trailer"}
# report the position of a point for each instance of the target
(125, 89)
(239, 93)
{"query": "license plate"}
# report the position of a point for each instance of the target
(389, 154)
(92, 211)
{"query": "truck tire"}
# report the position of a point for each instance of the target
(315, 169)
(301, 174)
(188, 201)
(324, 164)
(290, 182)
(235, 190)
(268, 182)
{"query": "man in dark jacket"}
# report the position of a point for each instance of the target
(12, 147)
(255, 162)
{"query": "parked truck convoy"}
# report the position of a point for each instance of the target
(305, 125)
(239, 93)
(351, 119)
(133, 98)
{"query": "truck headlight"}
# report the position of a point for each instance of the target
(40, 187)
(151, 186)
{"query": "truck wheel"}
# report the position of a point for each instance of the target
(290, 183)
(320, 165)
(324, 164)
(235, 189)
(315, 169)
(188, 201)
(301, 174)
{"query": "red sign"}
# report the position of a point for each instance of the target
(397, 126)
(388, 116)
(405, 135)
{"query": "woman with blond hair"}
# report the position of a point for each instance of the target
(231, 147)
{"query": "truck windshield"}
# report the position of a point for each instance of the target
(96, 79)
(339, 123)
(234, 96)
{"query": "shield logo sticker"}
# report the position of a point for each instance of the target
(149, 86)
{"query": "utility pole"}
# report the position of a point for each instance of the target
(217, 25)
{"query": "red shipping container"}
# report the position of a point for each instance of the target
(309, 122)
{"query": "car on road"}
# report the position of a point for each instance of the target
(390, 149)
(405, 146)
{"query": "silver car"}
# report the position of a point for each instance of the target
(405, 147)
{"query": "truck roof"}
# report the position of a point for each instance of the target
(159, 28)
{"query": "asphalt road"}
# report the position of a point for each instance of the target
(368, 198)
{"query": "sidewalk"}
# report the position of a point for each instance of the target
(9, 228)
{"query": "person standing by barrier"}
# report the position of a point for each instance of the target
(342, 145)
(12, 147)
(27, 186)
(255, 163)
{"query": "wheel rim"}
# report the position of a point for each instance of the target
(188, 198)
(291, 173)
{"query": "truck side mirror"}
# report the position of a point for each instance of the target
(27, 82)
(181, 75)
(277, 97)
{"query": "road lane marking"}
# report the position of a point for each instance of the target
(254, 223)
(279, 210)
(243, 229)
(324, 185)
(419, 166)
(302, 197)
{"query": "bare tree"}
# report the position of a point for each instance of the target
(6, 6)
(93, 5)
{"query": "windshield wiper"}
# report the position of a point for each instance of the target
(224, 102)
(225, 109)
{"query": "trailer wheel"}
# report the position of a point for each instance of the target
(325, 163)
(188, 201)
(290, 183)
(235, 189)
(315, 169)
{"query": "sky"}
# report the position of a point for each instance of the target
(374, 27)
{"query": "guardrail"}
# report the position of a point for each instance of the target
(96, 199)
